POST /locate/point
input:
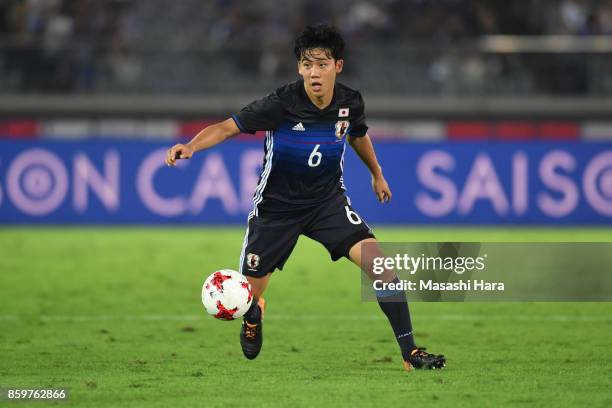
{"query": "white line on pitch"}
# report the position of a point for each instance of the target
(456, 317)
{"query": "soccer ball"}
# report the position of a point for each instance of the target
(227, 294)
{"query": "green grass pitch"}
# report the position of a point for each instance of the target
(114, 315)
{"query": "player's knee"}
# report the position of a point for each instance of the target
(363, 249)
(364, 254)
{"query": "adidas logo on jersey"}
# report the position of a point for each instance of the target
(299, 127)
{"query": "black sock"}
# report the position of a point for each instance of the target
(393, 303)
(253, 315)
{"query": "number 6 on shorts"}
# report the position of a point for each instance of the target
(352, 216)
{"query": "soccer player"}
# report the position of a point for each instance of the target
(301, 188)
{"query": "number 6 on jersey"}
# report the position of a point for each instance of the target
(315, 157)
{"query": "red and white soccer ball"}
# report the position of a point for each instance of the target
(227, 294)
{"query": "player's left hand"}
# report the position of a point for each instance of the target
(381, 189)
(177, 152)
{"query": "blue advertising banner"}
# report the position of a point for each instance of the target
(114, 182)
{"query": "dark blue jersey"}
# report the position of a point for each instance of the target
(304, 145)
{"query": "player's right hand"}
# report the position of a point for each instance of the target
(178, 151)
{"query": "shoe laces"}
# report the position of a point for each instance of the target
(419, 352)
(250, 330)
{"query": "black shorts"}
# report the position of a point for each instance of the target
(271, 237)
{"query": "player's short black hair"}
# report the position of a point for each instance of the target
(320, 36)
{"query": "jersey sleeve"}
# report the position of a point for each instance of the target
(262, 114)
(359, 127)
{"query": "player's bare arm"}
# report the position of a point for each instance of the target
(205, 139)
(365, 150)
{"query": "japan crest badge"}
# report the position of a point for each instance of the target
(341, 128)
(252, 261)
